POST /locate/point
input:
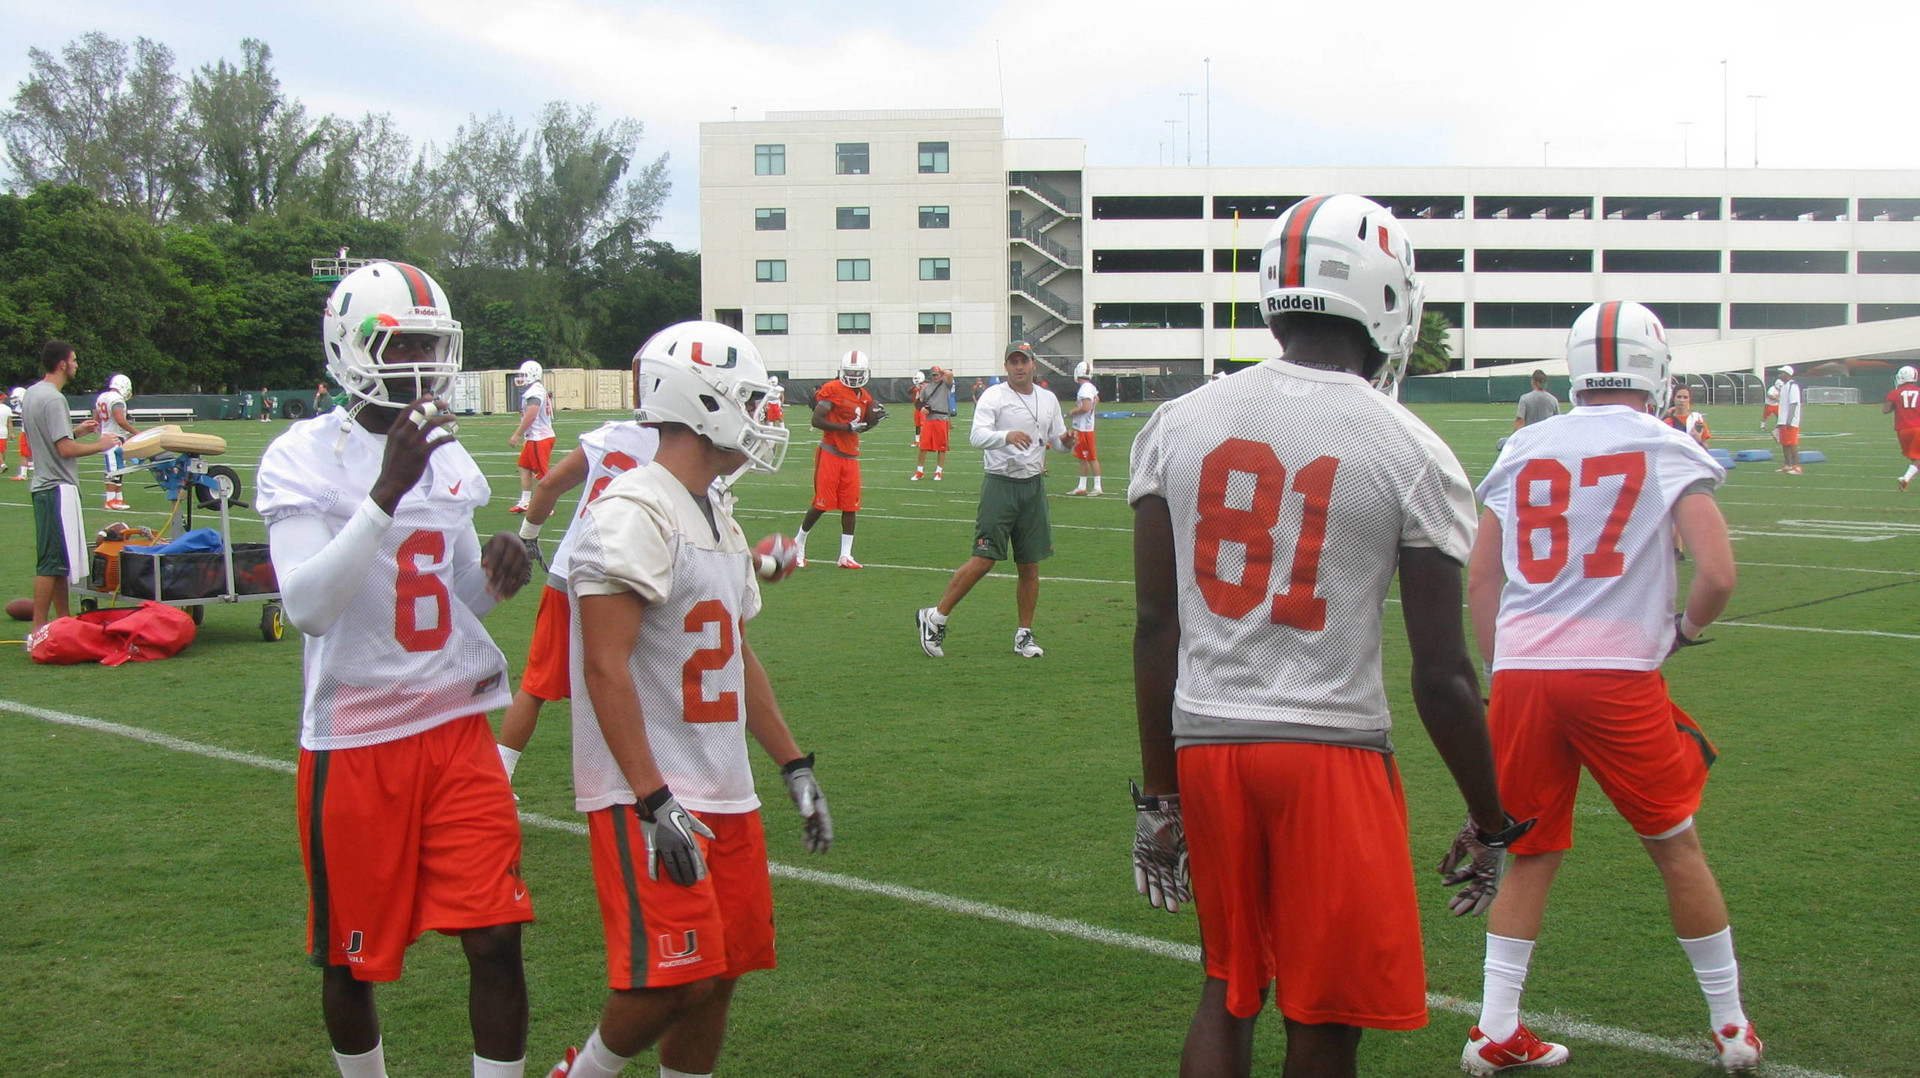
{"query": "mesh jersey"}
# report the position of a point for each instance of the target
(406, 655)
(1086, 392)
(1307, 483)
(849, 406)
(1905, 399)
(103, 406)
(542, 428)
(612, 448)
(1585, 507)
(646, 535)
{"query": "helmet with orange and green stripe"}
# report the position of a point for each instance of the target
(390, 336)
(1346, 256)
(1619, 345)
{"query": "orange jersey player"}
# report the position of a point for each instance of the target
(842, 409)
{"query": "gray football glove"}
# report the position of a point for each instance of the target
(534, 557)
(1681, 640)
(1478, 860)
(817, 824)
(670, 831)
(1160, 851)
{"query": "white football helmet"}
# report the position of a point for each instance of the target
(121, 384)
(1906, 374)
(367, 308)
(528, 373)
(919, 378)
(1083, 369)
(1346, 255)
(1620, 345)
(16, 396)
(854, 368)
(711, 379)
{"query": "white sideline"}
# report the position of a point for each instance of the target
(1692, 1051)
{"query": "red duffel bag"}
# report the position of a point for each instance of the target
(111, 637)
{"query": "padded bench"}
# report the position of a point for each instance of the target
(141, 415)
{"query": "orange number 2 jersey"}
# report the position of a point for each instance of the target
(1585, 506)
(1292, 490)
(648, 536)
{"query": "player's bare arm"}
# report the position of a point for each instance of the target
(1704, 530)
(1485, 575)
(120, 417)
(527, 415)
(410, 441)
(1156, 642)
(563, 477)
(67, 447)
(616, 705)
(1446, 690)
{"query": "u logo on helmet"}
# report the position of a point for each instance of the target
(697, 353)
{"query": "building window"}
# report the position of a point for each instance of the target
(770, 220)
(1660, 262)
(1787, 315)
(1648, 208)
(1148, 207)
(1687, 315)
(1889, 209)
(856, 323)
(933, 157)
(1880, 312)
(1789, 209)
(853, 217)
(1240, 260)
(1789, 262)
(1532, 208)
(1527, 260)
(853, 269)
(933, 217)
(1147, 315)
(1889, 262)
(1238, 316)
(1424, 207)
(936, 269)
(1178, 261)
(770, 325)
(1440, 260)
(1252, 207)
(850, 158)
(1526, 315)
(1454, 313)
(770, 160)
(770, 270)
(936, 322)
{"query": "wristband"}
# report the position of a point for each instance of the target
(528, 529)
(1500, 840)
(796, 764)
(653, 801)
(1688, 629)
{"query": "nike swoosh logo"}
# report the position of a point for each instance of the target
(519, 896)
(455, 489)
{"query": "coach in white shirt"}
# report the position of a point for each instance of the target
(1787, 430)
(1014, 424)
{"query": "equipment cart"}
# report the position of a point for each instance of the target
(176, 459)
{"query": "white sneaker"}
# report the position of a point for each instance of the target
(932, 634)
(1738, 1048)
(1025, 646)
(800, 560)
(1482, 1056)
(847, 562)
(916, 476)
(939, 477)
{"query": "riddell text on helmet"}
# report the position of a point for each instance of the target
(1276, 304)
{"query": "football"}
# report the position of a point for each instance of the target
(20, 610)
(774, 557)
(879, 412)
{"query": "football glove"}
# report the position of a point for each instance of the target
(857, 426)
(1478, 859)
(817, 824)
(534, 557)
(1160, 851)
(669, 831)
(1681, 639)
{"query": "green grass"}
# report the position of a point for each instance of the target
(152, 904)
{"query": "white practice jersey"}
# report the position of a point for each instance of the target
(1790, 404)
(612, 449)
(406, 655)
(1586, 534)
(1086, 392)
(6, 419)
(103, 406)
(647, 535)
(542, 428)
(1773, 393)
(1292, 490)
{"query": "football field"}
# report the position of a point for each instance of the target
(976, 915)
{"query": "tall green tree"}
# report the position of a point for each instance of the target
(577, 200)
(1431, 352)
(259, 144)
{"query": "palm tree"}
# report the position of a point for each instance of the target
(1431, 354)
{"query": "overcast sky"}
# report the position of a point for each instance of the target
(1385, 83)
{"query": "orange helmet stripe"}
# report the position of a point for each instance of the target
(1293, 243)
(1607, 337)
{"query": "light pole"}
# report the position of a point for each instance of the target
(1173, 140)
(1543, 153)
(1756, 99)
(1724, 107)
(1209, 62)
(1685, 137)
(1189, 95)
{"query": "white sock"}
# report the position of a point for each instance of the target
(846, 546)
(1096, 485)
(370, 1064)
(1719, 976)
(800, 540)
(597, 1060)
(1506, 976)
(1912, 470)
(526, 496)
(919, 469)
(937, 617)
(1082, 484)
(939, 469)
(493, 1068)
(669, 1072)
(508, 759)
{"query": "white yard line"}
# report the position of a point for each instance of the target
(1691, 1050)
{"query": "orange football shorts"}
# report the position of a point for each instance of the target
(1787, 435)
(546, 675)
(935, 435)
(534, 456)
(1910, 443)
(1083, 446)
(836, 482)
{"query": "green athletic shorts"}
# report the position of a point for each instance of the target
(49, 534)
(1016, 508)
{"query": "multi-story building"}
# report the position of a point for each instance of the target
(927, 237)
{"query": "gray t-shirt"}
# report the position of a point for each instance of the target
(1537, 405)
(47, 422)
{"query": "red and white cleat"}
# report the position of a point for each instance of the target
(916, 476)
(1737, 1048)
(117, 505)
(1903, 484)
(565, 1066)
(849, 563)
(1483, 1057)
(518, 509)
